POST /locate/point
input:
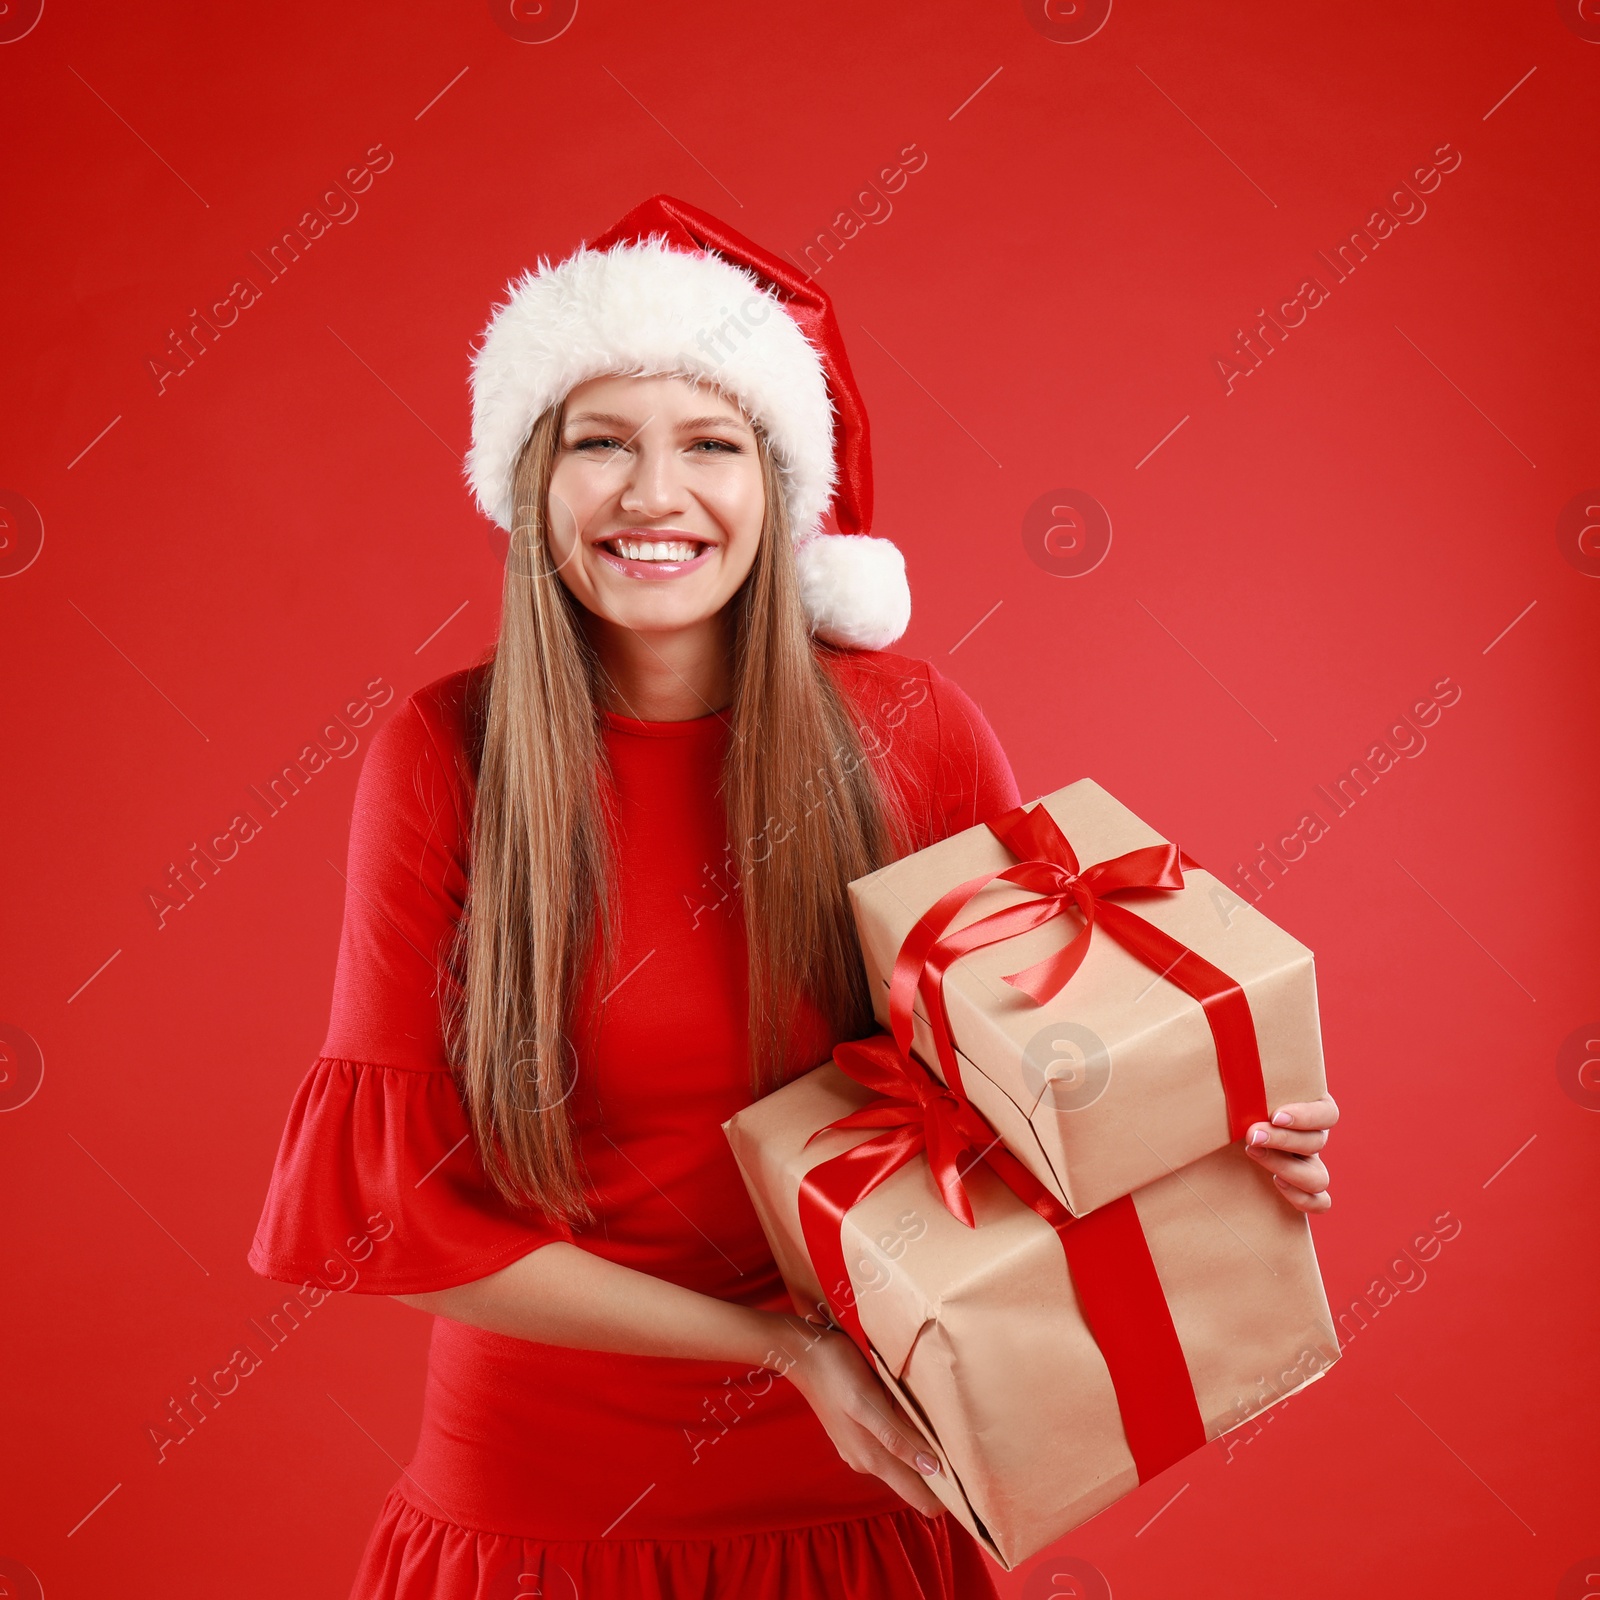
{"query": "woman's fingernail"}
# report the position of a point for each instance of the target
(927, 1465)
(1283, 1120)
(1258, 1136)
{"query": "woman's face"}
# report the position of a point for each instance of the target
(656, 501)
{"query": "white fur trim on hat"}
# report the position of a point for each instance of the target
(854, 589)
(648, 309)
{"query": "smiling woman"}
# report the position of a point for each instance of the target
(532, 1055)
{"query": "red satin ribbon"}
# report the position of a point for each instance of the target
(917, 1113)
(1107, 1256)
(1049, 868)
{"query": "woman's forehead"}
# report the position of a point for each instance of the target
(675, 393)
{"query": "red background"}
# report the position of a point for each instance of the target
(1301, 560)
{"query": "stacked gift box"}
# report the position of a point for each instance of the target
(1028, 1199)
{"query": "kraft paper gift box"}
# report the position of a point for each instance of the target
(1114, 1081)
(980, 1333)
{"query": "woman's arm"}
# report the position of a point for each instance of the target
(564, 1295)
(561, 1294)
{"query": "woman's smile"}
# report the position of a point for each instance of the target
(655, 554)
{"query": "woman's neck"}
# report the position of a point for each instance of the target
(663, 677)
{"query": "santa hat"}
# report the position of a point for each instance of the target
(671, 289)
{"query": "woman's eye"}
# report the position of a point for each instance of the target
(597, 446)
(717, 444)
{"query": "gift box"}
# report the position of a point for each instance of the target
(1156, 1014)
(1051, 1363)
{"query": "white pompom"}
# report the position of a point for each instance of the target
(854, 590)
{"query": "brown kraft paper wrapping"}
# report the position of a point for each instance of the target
(1113, 1082)
(978, 1334)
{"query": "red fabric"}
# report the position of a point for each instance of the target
(893, 1553)
(696, 1477)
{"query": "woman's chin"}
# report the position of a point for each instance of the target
(657, 614)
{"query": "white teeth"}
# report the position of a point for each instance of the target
(654, 549)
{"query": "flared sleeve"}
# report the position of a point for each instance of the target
(378, 1186)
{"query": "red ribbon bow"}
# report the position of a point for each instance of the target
(1049, 868)
(1107, 1256)
(918, 1113)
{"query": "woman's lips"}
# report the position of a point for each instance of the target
(655, 570)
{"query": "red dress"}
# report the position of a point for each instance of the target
(558, 1472)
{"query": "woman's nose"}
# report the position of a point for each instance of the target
(653, 487)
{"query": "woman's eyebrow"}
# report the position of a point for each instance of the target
(690, 423)
(609, 418)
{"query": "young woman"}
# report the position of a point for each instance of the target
(597, 904)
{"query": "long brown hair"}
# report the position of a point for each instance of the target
(806, 812)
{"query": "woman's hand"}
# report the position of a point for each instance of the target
(857, 1412)
(1288, 1147)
